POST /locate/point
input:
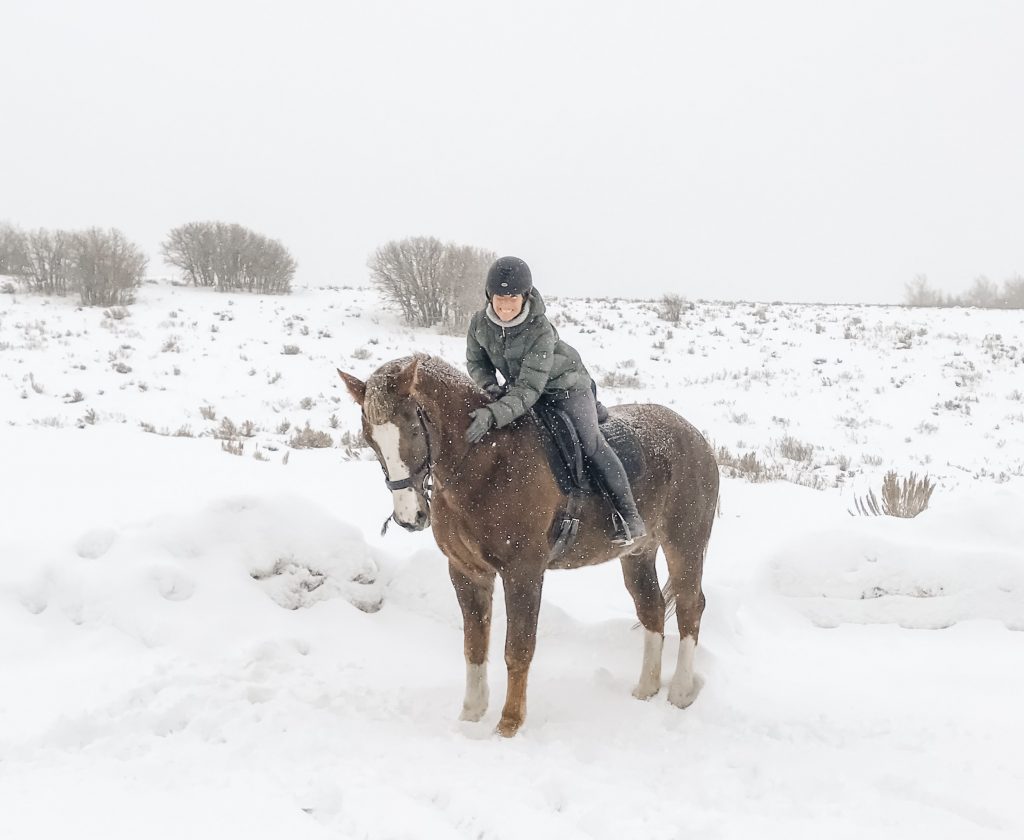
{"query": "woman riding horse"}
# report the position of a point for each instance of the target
(512, 334)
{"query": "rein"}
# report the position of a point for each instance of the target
(421, 479)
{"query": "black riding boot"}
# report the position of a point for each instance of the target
(629, 524)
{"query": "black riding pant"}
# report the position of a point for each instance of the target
(581, 406)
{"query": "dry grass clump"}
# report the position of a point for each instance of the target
(795, 450)
(745, 466)
(620, 379)
(308, 438)
(904, 498)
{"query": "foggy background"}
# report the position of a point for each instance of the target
(804, 151)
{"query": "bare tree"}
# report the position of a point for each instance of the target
(106, 267)
(13, 251)
(1012, 296)
(190, 248)
(983, 293)
(919, 293)
(229, 257)
(463, 271)
(49, 261)
(430, 282)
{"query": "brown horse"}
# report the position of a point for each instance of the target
(494, 503)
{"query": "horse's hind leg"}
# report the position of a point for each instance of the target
(685, 567)
(641, 579)
(475, 596)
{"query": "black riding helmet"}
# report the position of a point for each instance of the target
(509, 276)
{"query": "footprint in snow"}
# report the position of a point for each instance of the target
(94, 544)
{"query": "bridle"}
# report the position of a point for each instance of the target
(421, 479)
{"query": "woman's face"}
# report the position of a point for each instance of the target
(507, 307)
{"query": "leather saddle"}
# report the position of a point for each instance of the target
(572, 469)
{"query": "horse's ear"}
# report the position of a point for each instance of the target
(409, 378)
(356, 387)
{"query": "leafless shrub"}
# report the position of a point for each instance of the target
(289, 350)
(306, 403)
(229, 257)
(171, 345)
(352, 443)
(207, 412)
(333, 421)
(431, 282)
(746, 466)
(184, 431)
(671, 308)
(13, 254)
(232, 447)
(106, 268)
(361, 353)
(90, 417)
(620, 379)
(47, 265)
(75, 397)
(227, 429)
(794, 450)
(308, 438)
(904, 498)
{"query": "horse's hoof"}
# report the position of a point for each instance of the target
(683, 696)
(472, 715)
(507, 727)
(646, 692)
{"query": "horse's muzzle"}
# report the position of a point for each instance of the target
(422, 521)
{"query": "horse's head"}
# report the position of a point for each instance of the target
(393, 425)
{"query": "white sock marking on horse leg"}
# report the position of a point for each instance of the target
(406, 502)
(685, 684)
(650, 672)
(475, 704)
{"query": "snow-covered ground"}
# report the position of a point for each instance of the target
(194, 643)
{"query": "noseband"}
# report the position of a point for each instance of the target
(421, 479)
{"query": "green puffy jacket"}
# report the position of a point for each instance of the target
(529, 354)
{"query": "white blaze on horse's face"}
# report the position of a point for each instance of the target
(408, 510)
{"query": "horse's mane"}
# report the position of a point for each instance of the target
(445, 377)
(434, 377)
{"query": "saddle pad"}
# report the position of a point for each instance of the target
(624, 441)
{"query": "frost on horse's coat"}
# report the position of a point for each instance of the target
(494, 504)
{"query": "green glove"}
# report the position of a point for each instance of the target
(482, 422)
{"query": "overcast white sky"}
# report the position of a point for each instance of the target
(757, 150)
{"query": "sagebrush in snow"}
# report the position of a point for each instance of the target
(904, 498)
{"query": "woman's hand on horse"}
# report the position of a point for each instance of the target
(495, 392)
(482, 422)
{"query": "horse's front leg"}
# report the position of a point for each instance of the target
(522, 604)
(475, 596)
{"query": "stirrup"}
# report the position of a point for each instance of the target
(622, 536)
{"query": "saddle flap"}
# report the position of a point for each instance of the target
(562, 444)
